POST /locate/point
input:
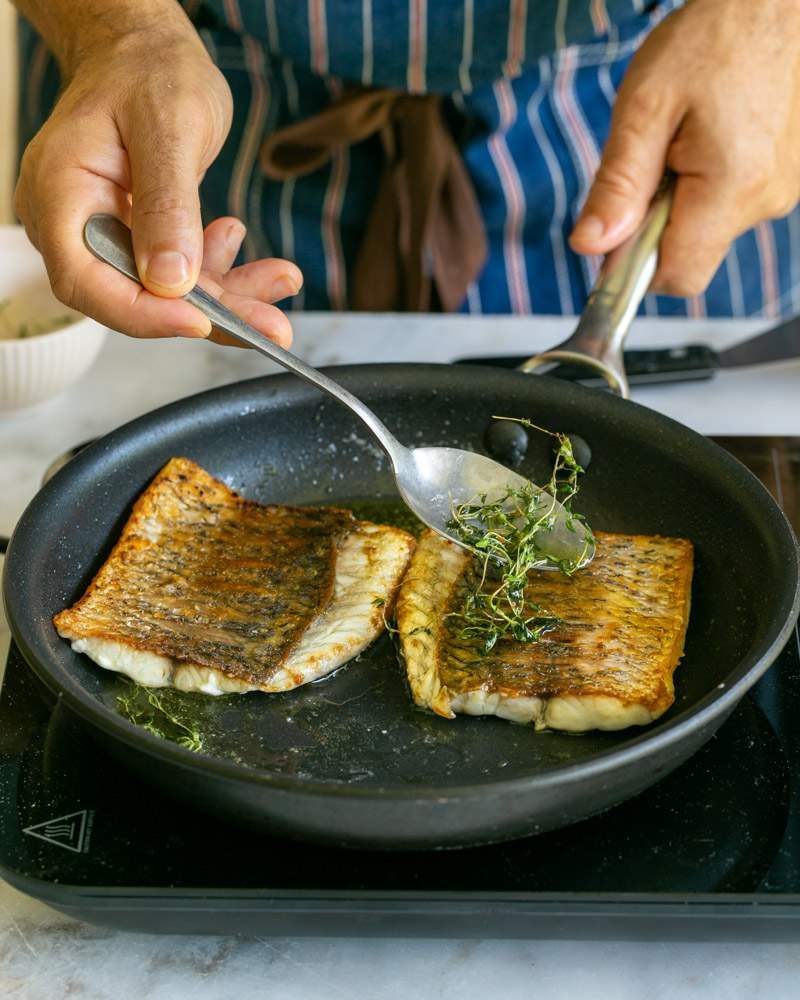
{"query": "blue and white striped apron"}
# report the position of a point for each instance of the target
(535, 80)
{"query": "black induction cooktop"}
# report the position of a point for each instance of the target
(712, 851)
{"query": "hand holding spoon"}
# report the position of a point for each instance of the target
(430, 480)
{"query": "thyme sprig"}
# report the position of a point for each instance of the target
(506, 536)
(158, 720)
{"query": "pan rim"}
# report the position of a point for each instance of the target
(712, 705)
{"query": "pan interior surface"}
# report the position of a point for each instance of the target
(276, 440)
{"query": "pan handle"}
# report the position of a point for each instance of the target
(621, 285)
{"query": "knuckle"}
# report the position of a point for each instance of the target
(63, 282)
(751, 178)
(681, 284)
(759, 183)
(25, 167)
(618, 177)
(31, 152)
(680, 274)
(160, 202)
(641, 105)
(140, 331)
(781, 203)
(29, 169)
(61, 270)
(21, 203)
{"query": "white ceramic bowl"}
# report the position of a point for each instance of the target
(38, 367)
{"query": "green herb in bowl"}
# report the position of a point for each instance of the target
(13, 330)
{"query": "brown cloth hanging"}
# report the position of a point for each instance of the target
(425, 242)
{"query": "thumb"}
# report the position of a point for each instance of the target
(166, 221)
(633, 162)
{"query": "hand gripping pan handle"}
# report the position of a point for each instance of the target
(621, 285)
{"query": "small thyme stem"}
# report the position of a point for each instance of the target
(159, 719)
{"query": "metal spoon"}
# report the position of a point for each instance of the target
(430, 480)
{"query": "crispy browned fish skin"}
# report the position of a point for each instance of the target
(205, 577)
(611, 663)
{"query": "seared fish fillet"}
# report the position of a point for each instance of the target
(205, 591)
(608, 666)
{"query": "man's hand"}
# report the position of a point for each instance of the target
(714, 94)
(143, 115)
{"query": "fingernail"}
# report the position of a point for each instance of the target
(284, 286)
(194, 332)
(235, 233)
(590, 227)
(169, 269)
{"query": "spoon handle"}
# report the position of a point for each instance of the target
(109, 239)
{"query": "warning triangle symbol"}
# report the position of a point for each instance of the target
(66, 831)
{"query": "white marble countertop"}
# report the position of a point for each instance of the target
(45, 955)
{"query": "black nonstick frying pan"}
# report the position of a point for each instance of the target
(350, 760)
